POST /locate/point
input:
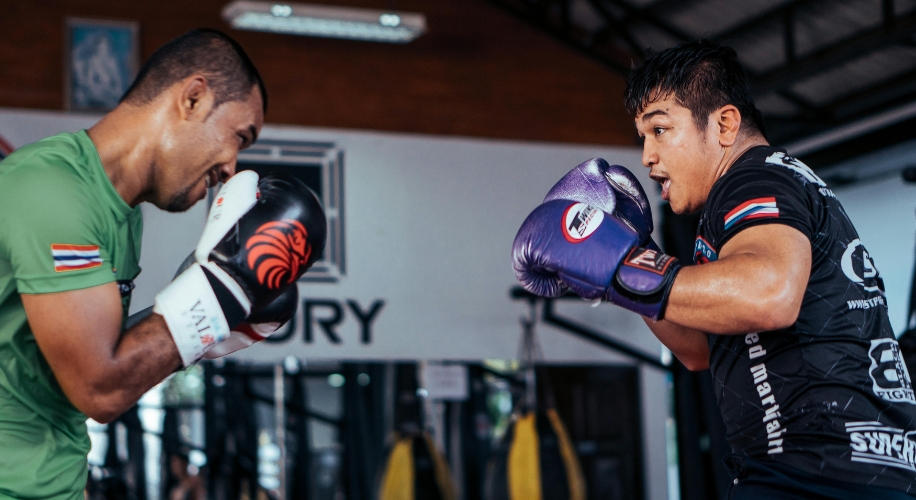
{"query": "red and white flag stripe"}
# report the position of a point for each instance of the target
(75, 257)
(752, 209)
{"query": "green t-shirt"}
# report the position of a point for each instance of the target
(62, 227)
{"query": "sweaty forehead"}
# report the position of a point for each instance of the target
(251, 114)
(665, 108)
(256, 101)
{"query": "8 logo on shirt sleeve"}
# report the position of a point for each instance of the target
(888, 373)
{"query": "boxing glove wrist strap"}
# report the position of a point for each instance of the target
(643, 281)
(194, 313)
(244, 335)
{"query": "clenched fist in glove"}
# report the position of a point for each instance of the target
(592, 235)
(258, 326)
(260, 237)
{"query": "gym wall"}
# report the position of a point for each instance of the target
(882, 211)
(478, 71)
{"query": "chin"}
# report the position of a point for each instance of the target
(679, 210)
(183, 201)
(680, 207)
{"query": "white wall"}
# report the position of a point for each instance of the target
(883, 212)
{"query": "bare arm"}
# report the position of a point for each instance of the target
(102, 371)
(757, 284)
(688, 345)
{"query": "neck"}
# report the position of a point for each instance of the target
(125, 139)
(730, 154)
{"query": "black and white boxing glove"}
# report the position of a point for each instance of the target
(260, 237)
(258, 326)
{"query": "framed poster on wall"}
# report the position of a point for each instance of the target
(100, 61)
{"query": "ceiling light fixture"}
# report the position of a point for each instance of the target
(323, 21)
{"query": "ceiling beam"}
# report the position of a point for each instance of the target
(887, 12)
(834, 55)
(663, 4)
(901, 87)
(659, 7)
(807, 110)
(613, 57)
(614, 26)
(645, 15)
(772, 15)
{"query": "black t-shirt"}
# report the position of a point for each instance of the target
(829, 395)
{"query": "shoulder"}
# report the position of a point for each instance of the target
(50, 167)
(60, 146)
(770, 170)
(48, 182)
(766, 163)
(764, 186)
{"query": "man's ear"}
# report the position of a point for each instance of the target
(728, 123)
(196, 98)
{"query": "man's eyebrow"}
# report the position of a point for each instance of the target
(650, 114)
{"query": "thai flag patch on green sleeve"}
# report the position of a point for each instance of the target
(75, 257)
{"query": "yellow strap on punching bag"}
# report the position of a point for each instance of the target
(524, 468)
(440, 468)
(574, 475)
(398, 481)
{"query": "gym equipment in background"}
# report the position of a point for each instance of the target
(415, 468)
(536, 458)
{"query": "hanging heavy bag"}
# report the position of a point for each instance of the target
(415, 470)
(535, 461)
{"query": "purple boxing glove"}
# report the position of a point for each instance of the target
(566, 244)
(643, 275)
(611, 188)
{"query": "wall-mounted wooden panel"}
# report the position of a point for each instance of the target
(477, 72)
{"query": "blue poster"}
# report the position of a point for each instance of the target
(102, 64)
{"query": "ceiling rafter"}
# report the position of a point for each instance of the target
(833, 55)
(774, 14)
(645, 15)
(616, 58)
(614, 24)
(658, 8)
(851, 106)
(612, 37)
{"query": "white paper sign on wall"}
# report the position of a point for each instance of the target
(445, 382)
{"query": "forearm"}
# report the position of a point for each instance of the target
(688, 345)
(144, 356)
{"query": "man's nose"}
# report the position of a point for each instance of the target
(649, 158)
(227, 170)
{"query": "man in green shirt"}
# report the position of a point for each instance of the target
(70, 230)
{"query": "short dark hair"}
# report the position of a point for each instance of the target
(212, 53)
(701, 75)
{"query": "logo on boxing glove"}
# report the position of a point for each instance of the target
(650, 260)
(580, 221)
(277, 251)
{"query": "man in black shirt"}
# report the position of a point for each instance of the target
(786, 307)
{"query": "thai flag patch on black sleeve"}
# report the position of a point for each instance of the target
(758, 208)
